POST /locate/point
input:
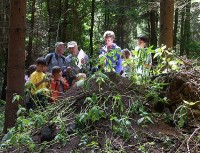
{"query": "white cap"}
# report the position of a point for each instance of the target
(71, 44)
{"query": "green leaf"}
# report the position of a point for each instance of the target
(140, 120)
(80, 83)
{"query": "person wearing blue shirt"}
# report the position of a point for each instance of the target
(111, 53)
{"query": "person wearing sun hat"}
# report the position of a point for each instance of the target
(57, 58)
(77, 61)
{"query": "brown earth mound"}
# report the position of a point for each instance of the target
(105, 135)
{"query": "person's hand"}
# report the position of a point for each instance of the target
(62, 80)
(68, 70)
(46, 78)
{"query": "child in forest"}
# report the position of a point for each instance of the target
(58, 84)
(39, 81)
(31, 69)
(126, 62)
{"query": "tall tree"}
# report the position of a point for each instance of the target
(30, 40)
(166, 22)
(182, 48)
(153, 27)
(65, 22)
(187, 26)
(175, 27)
(16, 60)
(4, 43)
(92, 28)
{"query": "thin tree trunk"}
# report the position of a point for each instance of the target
(60, 20)
(30, 41)
(65, 23)
(187, 27)
(182, 43)
(175, 27)
(153, 25)
(166, 22)
(3, 93)
(16, 60)
(92, 28)
(50, 23)
(75, 20)
(4, 44)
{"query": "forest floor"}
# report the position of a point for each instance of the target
(109, 113)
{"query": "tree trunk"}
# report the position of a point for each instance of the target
(175, 27)
(75, 20)
(60, 20)
(4, 45)
(65, 23)
(3, 92)
(153, 25)
(92, 28)
(50, 23)
(30, 41)
(187, 27)
(166, 22)
(182, 43)
(16, 60)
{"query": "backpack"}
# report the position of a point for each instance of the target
(63, 58)
(50, 58)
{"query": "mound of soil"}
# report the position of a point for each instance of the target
(100, 136)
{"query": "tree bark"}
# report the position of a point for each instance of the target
(50, 23)
(175, 27)
(65, 23)
(60, 20)
(16, 60)
(4, 45)
(187, 27)
(182, 43)
(92, 28)
(166, 22)
(31, 34)
(153, 25)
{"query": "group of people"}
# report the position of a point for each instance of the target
(53, 75)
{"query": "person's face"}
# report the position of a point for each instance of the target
(45, 69)
(141, 43)
(74, 50)
(109, 41)
(57, 76)
(61, 49)
(40, 68)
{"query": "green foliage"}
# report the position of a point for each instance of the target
(181, 114)
(121, 126)
(94, 114)
(16, 97)
(153, 93)
(20, 135)
(145, 118)
(117, 103)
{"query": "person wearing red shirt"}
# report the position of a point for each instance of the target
(58, 84)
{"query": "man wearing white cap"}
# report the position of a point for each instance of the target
(57, 58)
(76, 61)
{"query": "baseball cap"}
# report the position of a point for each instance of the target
(71, 44)
(59, 43)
